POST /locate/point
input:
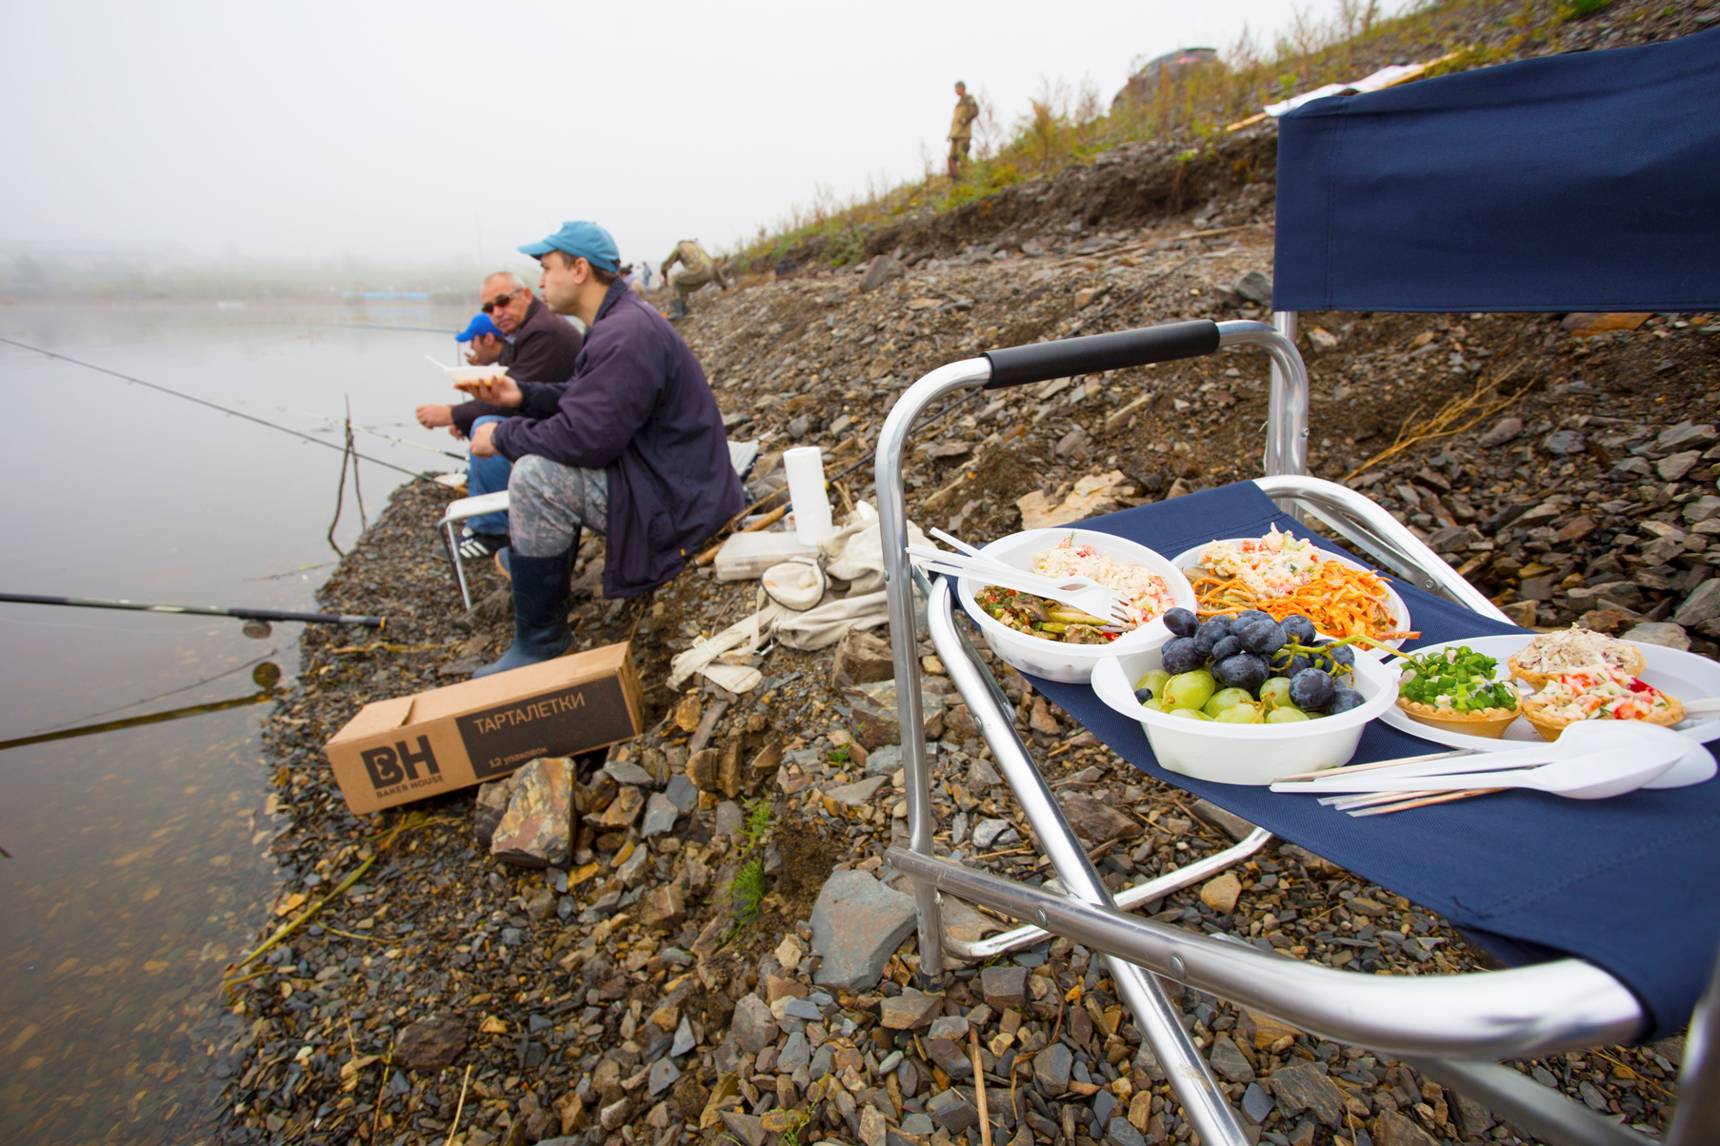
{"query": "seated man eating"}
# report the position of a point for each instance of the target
(633, 448)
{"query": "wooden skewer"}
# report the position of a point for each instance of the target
(1425, 801)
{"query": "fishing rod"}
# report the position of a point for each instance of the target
(368, 430)
(265, 692)
(240, 613)
(212, 405)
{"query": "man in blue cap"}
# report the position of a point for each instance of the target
(635, 449)
(485, 533)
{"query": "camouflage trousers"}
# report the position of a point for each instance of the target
(958, 155)
(691, 279)
(548, 504)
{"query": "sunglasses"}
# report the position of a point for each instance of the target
(499, 301)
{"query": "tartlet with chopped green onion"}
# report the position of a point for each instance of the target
(1454, 689)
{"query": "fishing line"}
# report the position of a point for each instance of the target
(158, 696)
(212, 405)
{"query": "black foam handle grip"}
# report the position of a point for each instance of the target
(1092, 353)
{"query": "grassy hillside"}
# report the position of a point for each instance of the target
(1064, 128)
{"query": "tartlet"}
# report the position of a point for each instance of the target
(1454, 689)
(1566, 650)
(1598, 693)
(1491, 722)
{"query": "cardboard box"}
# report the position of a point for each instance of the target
(397, 751)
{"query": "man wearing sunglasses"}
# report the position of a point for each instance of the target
(536, 345)
(634, 449)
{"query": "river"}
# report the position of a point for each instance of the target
(133, 869)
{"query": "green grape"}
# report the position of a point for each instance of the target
(1275, 693)
(1189, 689)
(1154, 680)
(1190, 713)
(1286, 715)
(1240, 714)
(1226, 698)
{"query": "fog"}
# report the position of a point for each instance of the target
(430, 134)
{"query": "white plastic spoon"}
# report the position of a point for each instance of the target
(1591, 775)
(436, 364)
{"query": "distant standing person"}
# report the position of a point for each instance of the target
(961, 129)
(697, 269)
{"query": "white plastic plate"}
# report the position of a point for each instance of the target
(1680, 674)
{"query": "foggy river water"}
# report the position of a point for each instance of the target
(133, 869)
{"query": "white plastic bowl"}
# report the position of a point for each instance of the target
(473, 373)
(1245, 753)
(1054, 660)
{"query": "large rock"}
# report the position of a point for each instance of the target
(753, 1026)
(1701, 610)
(874, 710)
(1306, 1087)
(856, 923)
(536, 829)
(487, 812)
(660, 815)
(862, 657)
(883, 269)
(1095, 821)
(430, 1044)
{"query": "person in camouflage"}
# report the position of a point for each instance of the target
(961, 128)
(697, 269)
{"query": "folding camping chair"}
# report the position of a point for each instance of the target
(1579, 983)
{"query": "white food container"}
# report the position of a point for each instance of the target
(1245, 753)
(1054, 660)
(474, 373)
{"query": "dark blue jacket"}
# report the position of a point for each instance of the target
(639, 408)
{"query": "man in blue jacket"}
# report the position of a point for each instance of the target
(633, 448)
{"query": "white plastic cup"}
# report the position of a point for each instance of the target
(805, 466)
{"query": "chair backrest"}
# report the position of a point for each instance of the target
(1584, 182)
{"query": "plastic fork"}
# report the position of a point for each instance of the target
(1079, 592)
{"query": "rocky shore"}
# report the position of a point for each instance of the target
(637, 992)
(719, 955)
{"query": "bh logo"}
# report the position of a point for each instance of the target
(391, 765)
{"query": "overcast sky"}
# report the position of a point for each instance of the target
(423, 130)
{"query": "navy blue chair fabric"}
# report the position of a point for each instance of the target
(1581, 182)
(1627, 883)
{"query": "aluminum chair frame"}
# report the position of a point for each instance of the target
(1448, 1027)
(457, 512)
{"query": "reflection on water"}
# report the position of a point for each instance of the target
(133, 869)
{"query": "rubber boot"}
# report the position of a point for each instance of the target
(677, 309)
(540, 610)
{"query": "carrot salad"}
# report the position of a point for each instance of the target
(1341, 600)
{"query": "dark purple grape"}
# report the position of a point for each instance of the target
(1299, 628)
(1260, 636)
(1311, 690)
(1211, 631)
(1253, 615)
(1244, 670)
(1344, 699)
(1343, 654)
(1286, 663)
(1225, 647)
(1181, 622)
(1182, 654)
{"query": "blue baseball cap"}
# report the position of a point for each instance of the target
(580, 240)
(480, 324)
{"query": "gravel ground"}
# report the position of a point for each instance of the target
(1570, 474)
